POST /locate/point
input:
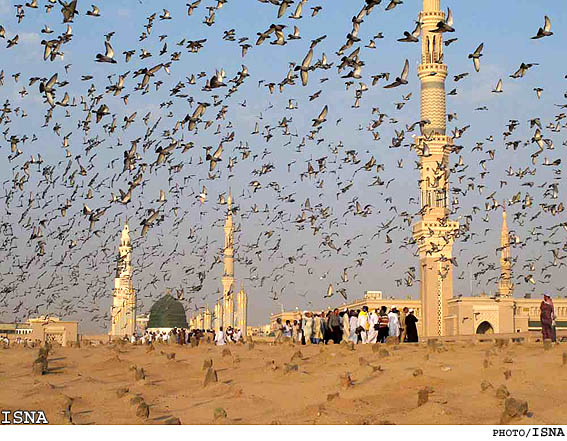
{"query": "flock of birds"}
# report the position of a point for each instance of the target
(150, 128)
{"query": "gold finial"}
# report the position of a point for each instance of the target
(229, 202)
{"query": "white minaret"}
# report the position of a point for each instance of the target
(228, 276)
(123, 310)
(435, 232)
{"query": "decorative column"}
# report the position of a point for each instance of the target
(242, 311)
(218, 315)
(435, 233)
(505, 285)
(207, 319)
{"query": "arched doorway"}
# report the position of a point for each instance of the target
(485, 328)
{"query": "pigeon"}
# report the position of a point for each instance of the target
(476, 57)
(108, 57)
(402, 79)
(545, 31)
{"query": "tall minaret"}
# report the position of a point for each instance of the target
(228, 276)
(505, 285)
(434, 234)
(123, 310)
(242, 311)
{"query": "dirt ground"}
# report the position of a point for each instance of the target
(267, 384)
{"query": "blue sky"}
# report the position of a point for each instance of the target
(83, 282)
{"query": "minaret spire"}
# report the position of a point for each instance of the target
(228, 260)
(505, 285)
(123, 311)
(435, 233)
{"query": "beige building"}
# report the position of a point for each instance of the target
(44, 328)
(438, 312)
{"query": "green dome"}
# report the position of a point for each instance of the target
(167, 313)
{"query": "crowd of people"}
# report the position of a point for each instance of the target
(356, 326)
(182, 336)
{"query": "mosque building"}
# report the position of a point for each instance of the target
(438, 312)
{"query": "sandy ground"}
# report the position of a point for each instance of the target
(260, 385)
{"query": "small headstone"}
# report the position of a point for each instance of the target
(136, 400)
(219, 413)
(331, 397)
(122, 391)
(210, 377)
(502, 392)
(297, 356)
(290, 368)
(513, 409)
(346, 381)
(39, 366)
(422, 396)
(143, 410)
(507, 374)
(140, 374)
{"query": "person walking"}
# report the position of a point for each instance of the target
(353, 324)
(373, 318)
(383, 323)
(334, 327)
(363, 325)
(403, 324)
(547, 317)
(307, 327)
(345, 319)
(220, 338)
(394, 323)
(317, 329)
(278, 330)
(411, 328)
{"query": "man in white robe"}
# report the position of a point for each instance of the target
(219, 337)
(372, 333)
(346, 325)
(353, 325)
(393, 323)
(363, 323)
